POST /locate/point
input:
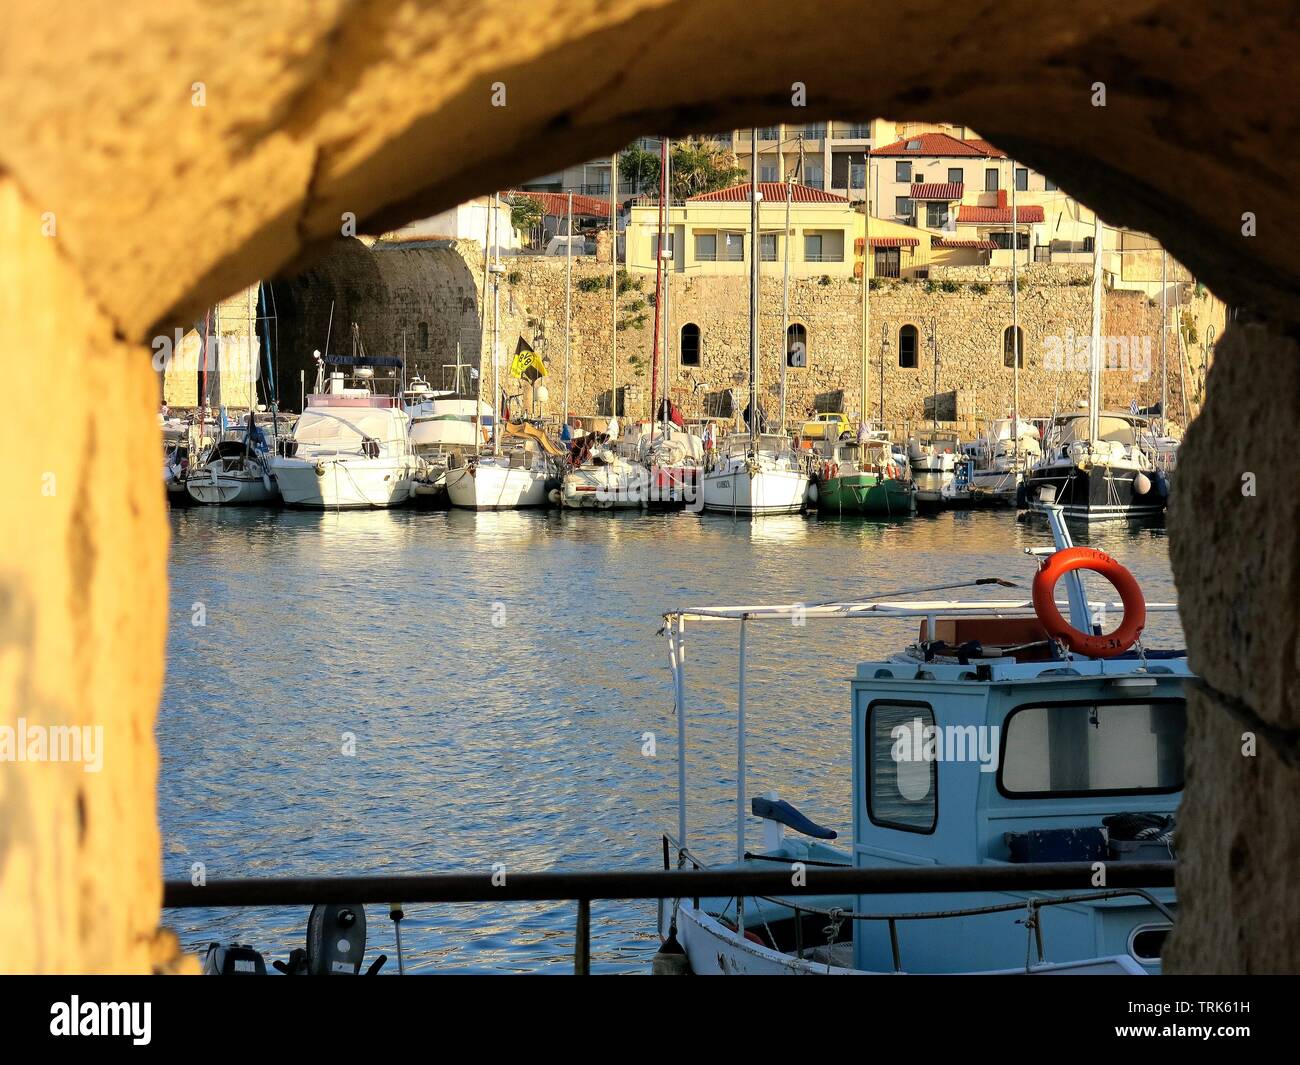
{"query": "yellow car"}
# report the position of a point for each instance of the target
(827, 427)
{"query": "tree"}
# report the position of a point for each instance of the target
(640, 169)
(525, 213)
(700, 165)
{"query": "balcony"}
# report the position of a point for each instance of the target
(850, 131)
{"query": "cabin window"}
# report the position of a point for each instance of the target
(907, 338)
(903, 785)
(1013, 346)
(689, 349)
(1093, 749)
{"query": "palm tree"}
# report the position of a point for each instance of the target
(702, 164)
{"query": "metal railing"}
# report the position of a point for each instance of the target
(583, 887)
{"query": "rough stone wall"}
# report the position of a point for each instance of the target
(969, 322)
(1237, 837)
(83, 606)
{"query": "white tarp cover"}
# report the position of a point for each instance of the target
(344, 427)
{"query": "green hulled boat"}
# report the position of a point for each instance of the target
(866, 483)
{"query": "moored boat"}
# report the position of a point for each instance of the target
(1053, 743)
(863, 479)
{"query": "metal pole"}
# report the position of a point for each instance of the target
(740, 752)
(680, 682)
(496, 324)
(1015, 332)
(568, 307)
(753, 289)
(1094, 378)
(582, 940)
(866, 290)
(613, 285)
(668, 278)
(785, 294)
(1164, 335)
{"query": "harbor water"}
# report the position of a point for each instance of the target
(406, 692)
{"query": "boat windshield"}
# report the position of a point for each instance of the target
(1093, 748)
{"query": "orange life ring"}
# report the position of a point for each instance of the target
(1082, 643)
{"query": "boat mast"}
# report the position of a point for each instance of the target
(659, 292)
(1015, 329)
(1094, 377)
(496, 323)
(568, 306)
(753, 288)
(785, 283)
(1164, 339)
(613, 285)
(934, 396)
(667, 167)
(866, 284)
(482, 323)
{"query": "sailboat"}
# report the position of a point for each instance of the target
(498, 478)
(862, 476)
(756, 472)
(1094, 465)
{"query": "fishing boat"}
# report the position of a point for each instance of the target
(1049, 741)
(349, 449)
(863, 478)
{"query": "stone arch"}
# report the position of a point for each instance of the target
(130, 203)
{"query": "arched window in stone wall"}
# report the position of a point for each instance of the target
(907, 345)
(690, 345)
(1013, 343)
(796, 346)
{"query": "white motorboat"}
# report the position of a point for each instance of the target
(442, 424)
(348, 449)
(754, 475)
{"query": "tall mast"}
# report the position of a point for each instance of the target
(1164, 337)
(1094, 355)
(496, 323)
(613, 285)
(784, 346)
(1015, 325)
(659, 291)
(568, 306)
(866, 282)
(753, 288)
(667, 167)
(482, 324)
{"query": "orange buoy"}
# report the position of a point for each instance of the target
(1084, 643)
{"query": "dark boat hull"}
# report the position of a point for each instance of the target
(1098, 493)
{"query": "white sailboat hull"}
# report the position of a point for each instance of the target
(343, 482)
(486, 486)
(227, 489)
(619, 487)
(764, 491)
